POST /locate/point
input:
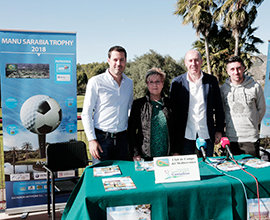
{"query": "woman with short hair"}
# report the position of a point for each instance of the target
(150, 127)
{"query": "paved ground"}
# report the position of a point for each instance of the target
(31, 216)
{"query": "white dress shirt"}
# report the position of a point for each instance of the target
(196, 122)
(106, 104)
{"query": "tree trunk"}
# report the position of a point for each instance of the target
(207, 55)
(236, 48)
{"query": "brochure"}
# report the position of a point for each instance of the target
(107, 170)
(225, 165)
(228, 166)
(149, 165)
(132, 212)
(118, 183)
(215, 160)
(254, 162)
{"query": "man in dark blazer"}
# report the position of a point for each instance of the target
(198, 100)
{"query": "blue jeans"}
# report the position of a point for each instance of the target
(113, 148)
(189, 147)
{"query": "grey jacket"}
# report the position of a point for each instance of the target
(244, 107)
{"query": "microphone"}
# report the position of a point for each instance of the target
(225, 143)
(201, 145)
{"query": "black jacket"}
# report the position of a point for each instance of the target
(139, 126)
(212, 98)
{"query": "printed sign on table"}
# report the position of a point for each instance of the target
(176, 169)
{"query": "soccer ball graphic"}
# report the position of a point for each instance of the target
(41, 114)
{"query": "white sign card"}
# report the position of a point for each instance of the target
(176, 169)
(253, 211)
(131, 212)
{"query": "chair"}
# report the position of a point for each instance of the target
(265, 154)
(61, 157)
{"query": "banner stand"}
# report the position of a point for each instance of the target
(39, 106)
(35, 208)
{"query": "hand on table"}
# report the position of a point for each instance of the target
(137, 157)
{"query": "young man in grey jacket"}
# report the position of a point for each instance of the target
(244, 107)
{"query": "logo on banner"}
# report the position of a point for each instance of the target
(266, 121)
(38, 176)
(62, 174)
(20, 177)
(63, 70)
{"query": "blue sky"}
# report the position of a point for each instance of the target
(138, 25)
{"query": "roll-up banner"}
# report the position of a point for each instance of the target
(39, 106)
(265, 124)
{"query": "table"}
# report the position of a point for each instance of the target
(215, 196)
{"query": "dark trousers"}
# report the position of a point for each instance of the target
(114, 147)
(189, 147)
(251, 148)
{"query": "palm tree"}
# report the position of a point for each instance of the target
(221, 47)
(14, 157)
(249, 41)
(27, 146)
(237, 16)
(200, 14)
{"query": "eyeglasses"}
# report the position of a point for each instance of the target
(151, 83)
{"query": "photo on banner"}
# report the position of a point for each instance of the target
(39, 106)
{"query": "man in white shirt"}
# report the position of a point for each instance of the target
(107, 102)
(197, 96)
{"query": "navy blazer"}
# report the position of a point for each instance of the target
(179, 93)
